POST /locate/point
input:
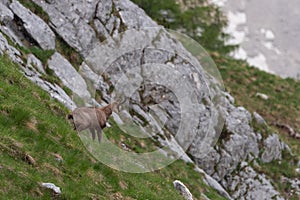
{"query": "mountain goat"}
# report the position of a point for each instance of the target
(92, 118)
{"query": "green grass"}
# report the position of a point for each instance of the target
(34, 124)
(42, 55)
(68, 52)
(169, 14)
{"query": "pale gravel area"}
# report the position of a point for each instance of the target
(268, 32)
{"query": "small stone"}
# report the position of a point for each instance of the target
(30, 159)
(58, 157)
(262, 96)
(51, 186)
(183, 190)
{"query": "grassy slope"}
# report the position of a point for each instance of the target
(32, 123)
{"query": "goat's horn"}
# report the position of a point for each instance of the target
(123, 101)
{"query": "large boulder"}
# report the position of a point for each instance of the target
(34, 25)
(64, 70)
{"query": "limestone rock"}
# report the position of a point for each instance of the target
(127, 56)
(259, 119)
(104, 10)
(5, 14)
(51, 186)
(272, 149)
(247, 184)
(33, 61)
(132, 16)
(70, 21)
(35, 26)
(68, 75)
(183, 190)
(262, 96)
(214, 184)
(12, 52)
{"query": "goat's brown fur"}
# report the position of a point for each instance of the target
(92, 118)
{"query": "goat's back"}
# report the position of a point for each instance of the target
(85, 117)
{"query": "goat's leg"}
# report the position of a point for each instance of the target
(93, 133)
(79, 127)
(99, 133)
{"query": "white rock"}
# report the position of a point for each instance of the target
(183, 190)
(52, 187)
(262, 96)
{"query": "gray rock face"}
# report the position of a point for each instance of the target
(214, 184)
(5, 14)
(238, 142)
(12, 52)
(32, 61)
(248, 184)
(70, 20)
(273, 148)
(69, 76)
(35, 26)
(132, 16)
(104, 10)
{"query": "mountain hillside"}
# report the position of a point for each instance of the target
(39, 146)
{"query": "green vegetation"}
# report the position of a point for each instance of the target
(207, 17)
(42, 55)
(34, 130)
(68, 52)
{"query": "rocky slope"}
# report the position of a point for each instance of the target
(110, 38)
